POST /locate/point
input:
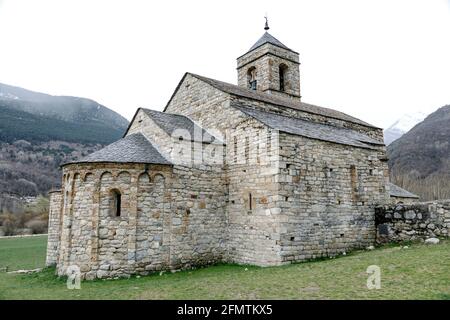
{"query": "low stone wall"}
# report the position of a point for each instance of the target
(413, 221)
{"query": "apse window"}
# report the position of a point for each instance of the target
(116, 205)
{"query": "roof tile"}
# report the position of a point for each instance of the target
(311, 129)
(268, 38)
(170, 123)
(134, 148)
(280, 101)
(396, 191)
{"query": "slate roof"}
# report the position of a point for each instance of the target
(396, 191)
(280, 101)
(268, 38)
(170, 122)
(134, 148)
(311, 129)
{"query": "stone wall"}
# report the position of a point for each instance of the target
(288, 215)
(327, 196)
(198, 229)
(54, 223)
(204, 104)
(170, 218)
(413, 221)
(253, 225)
(266, 60)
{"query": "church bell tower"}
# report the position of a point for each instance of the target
(270, 67)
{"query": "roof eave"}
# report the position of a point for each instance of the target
(176, 90)
(113, 162)
(369, 147)
(131, 122)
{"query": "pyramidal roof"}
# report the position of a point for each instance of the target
(268, 38)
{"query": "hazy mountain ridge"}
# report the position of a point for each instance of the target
(39, 132)
(67, 108)
(420, 159)
(16, 124)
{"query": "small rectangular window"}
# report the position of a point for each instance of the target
(247, 149)
(354, 182)
(235, 149)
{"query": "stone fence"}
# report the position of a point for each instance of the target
(413, 221)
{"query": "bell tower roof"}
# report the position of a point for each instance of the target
(268, 38)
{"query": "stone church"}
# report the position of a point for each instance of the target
(245, 173)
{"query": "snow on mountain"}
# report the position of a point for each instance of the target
(7, 95)
(402, 125)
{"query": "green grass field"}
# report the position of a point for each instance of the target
(23, 253)
(418, 272)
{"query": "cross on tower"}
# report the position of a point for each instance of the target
(266, 27)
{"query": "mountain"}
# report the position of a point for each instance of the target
(419, 161)
(41, 117)
(402, 125)
(39, 132)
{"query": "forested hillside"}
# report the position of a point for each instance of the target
(420, 159)
(39, 132)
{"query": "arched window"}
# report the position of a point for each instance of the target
(251, 78)
(282, 72)
(116, 203)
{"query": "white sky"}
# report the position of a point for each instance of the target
(375, 60)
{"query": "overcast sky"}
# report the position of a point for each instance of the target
(375, 60)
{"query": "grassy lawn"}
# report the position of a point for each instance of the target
(418, 272)
(23, 253)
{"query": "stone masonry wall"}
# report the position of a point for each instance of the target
(54, 219)
(171, 217)
(262, 235)
(204, 104)
(413, 221)
(251, 233)
(198, 230)
(327, 196)
(92, 237)
(253, 226)
(267, 59)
